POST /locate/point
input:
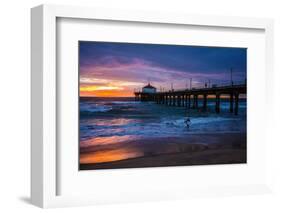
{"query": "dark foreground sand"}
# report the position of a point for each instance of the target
(194, 149)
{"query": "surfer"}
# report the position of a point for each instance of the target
(187, 122)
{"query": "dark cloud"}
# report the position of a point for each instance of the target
(160, 63)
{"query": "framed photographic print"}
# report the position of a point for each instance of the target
(130, 106)
(151, 105)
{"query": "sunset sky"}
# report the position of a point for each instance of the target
(117, 69)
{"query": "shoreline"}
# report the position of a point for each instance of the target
(193, 149)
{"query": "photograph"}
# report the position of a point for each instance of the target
(159, 105)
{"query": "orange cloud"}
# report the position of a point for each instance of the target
(106, 93)
(97, 88)
(106, 88)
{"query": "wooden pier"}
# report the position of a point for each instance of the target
(189, 97)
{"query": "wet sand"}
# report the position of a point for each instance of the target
(193, 149)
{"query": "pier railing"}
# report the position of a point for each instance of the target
(208, 86)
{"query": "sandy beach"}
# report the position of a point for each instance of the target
(192, 149)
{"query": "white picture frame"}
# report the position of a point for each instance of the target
(44, 154)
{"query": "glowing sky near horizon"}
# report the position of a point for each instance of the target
(110, 69)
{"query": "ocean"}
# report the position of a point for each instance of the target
(115, 120)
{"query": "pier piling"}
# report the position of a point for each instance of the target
(217, 103)
(205, 101)
(231, 103)
(194, 100)
(236, 103)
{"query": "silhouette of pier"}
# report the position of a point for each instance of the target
(189, 97)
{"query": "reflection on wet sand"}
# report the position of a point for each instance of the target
(106, 140)
(109, 155)
(115, 148)
(193, 149)
(112, 122)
